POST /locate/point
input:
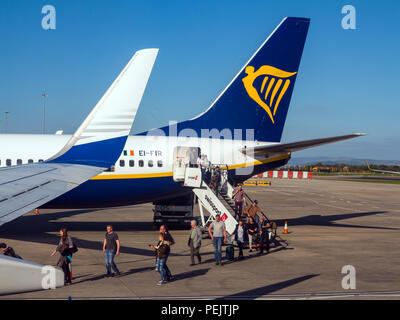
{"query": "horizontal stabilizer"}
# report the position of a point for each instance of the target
(95, 146)
(297, 146)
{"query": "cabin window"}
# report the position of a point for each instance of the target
(131, 163)
(30, 161)
(141, 163)
(8, 162)
(122, 163)
(19, 161)
(159, 163)
(150, 163)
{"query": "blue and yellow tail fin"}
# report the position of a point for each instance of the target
(258, 97)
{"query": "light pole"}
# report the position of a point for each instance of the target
(5, 122)
(44, 112)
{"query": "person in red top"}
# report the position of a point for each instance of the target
(240, 200)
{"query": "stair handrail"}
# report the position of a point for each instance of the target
(248, 197)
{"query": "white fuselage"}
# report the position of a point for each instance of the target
(146, 162)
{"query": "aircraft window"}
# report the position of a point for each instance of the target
(8, 162)
(150, 164)
(131, 163)
(122, 163)
(141, 163)
(30, 161)
(19, 161)
(159, 163)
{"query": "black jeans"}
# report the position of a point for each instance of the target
(264, 240)
(240, 245)
(67, 273)
(238, 209)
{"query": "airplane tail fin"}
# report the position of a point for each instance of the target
(258, 97)
(109, 123)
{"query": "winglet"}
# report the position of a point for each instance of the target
(101, 137)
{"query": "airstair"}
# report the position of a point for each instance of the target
(192, 175)
(208, 199)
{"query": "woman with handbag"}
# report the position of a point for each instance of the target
(66, 248)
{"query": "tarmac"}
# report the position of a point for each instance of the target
(331, 224)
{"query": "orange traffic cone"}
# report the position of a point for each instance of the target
(285, 228)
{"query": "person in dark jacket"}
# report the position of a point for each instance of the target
(162, 249)
(63, 262)
(8, 251)
(252, 229)
(216, 180)
(66, 252)
(265, 228)
(241, 236)
(167, 237)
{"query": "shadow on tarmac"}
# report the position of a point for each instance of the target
(37, 228)
(262, 291)
(329, 221)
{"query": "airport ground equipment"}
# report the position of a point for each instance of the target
(177, 211)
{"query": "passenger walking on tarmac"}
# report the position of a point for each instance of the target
(111, 246)
(241, 236)
(8, 251)
(264, 234)
(252, 229)
(65, 248)
(217, 236)
(162, 252)
(216, 180)
(240, 198)
(195, 242)
(168, 237)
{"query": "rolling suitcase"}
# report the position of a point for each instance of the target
(230, 253)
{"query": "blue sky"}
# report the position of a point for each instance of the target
(347, 82)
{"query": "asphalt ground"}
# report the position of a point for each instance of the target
(331, 224)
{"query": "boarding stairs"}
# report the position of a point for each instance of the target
(208, 199)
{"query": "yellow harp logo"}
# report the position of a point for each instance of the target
(266, 98)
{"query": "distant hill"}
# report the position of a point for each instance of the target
(335, 160)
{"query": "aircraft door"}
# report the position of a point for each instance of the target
(184, 157)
